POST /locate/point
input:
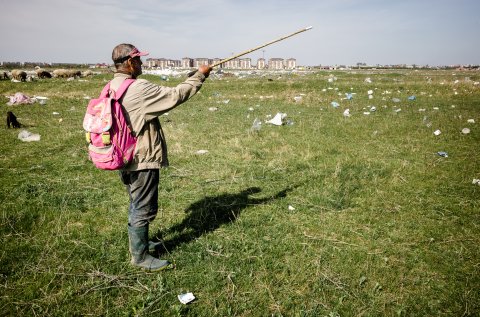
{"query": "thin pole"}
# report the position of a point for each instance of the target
(259, 47)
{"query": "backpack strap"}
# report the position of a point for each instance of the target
(123, 87)
(120, 91)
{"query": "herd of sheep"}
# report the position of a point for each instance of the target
(21, 75)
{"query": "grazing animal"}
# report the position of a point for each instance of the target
(12, 120)
(18, 74)
(43, 74)
(4, 75)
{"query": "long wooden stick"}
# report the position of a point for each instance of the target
(259, 47)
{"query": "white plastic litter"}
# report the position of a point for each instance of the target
(200, 152)
(278, 119)
(370, 92)
(257, 125)
(27, 136)
(465, 130)
(471, 120)
(297, 98)
(212, 109)
(186, 298)
(476, 182)
(291, 208)
(437, 132)
(346, 113)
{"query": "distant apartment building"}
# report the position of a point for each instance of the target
(232, 64)
(187, 62)
(245, 63)
(197, 62)
(163, 63)
(291, 63)
(275, 63)
(261, 63)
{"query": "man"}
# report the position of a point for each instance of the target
(144, 102)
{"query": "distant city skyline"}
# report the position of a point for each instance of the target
(346, 32)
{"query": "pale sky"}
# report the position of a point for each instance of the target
(434, 32)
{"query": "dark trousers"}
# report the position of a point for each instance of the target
(142, 188)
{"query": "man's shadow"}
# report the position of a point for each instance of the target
(209, 213)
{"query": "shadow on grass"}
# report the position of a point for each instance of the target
(209, 213)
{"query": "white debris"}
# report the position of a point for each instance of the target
(212, 109)
(471, 120)
(278, 119)
(370, 92)
(368, 80)
(297, 98)
(346, 113)
(200, 152)
(465, 130)
(291, 208)
(27, 136)
(257, 125)
(186, 298)
(437, 132)
(476, 181)
(366, 113)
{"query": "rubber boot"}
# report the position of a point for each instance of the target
(138, 241)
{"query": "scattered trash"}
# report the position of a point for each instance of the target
(368, 80)
(251, 109)
(362, 280)
(164, 78)
(297, 98)
(476, 182)
(212, 109)
(278, 119)
(422, 110)
(373, 109)
(27, 136)
(398, 110)
(346, 113)
(226, 101)
(335, 104)
(20, 98)
(186, 298)
(471, 121)
(41, 100)
(290, 122)
(257, 125)
(366, 113)
(465, 130)
(395, 100)
(437, 132)
(370, 92)
(442, 154)
(436, 108)
(349, 96)
(55, 113)
(200, 152)
(412, 98)
(291, 208)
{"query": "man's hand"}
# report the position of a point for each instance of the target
(205, 69)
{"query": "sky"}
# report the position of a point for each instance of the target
(345, 32)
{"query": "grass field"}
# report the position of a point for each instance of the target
(327, 216)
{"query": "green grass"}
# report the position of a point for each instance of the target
(382, 225)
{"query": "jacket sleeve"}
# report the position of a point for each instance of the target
(155, 100)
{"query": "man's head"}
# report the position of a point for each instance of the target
(126, 58)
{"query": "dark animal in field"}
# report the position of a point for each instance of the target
(18, 74)
(12, 120)
(4, 75)
(43, 74)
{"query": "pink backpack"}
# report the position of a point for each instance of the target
(110, 141)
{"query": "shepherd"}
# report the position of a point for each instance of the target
(143, 103)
